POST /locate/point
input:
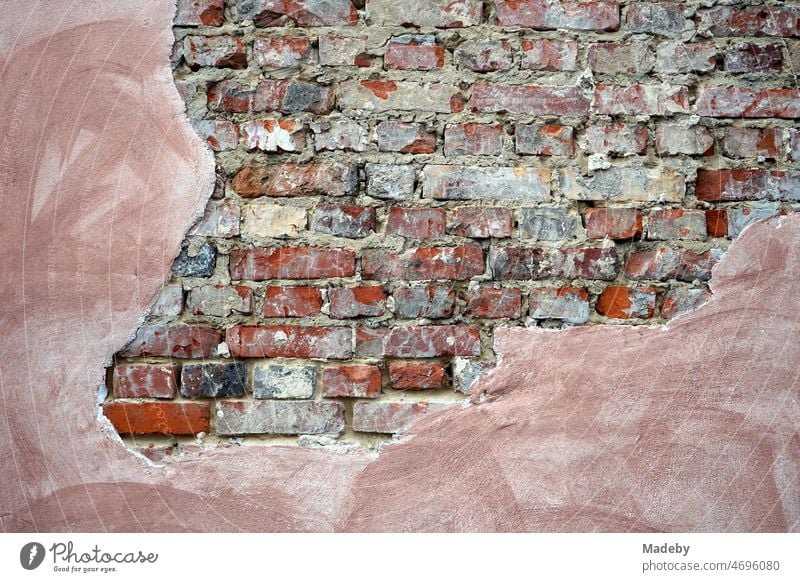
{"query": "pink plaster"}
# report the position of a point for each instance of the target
(690, 427)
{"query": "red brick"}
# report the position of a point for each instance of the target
(292, 301)
(457, 263)
(260, 264)
(717, 223)
(528, 99)
(173, 341)
(683, 300)
(279, 52)
(480, 222)
(537, 263)
(545, 140)
(416, 223)
(473, 139)
(430, 301)
(750, 21)
(662, 263)
(619, 302)
(418, 52)
(495, 303)
(286, 96)
(344, 220)
(351, 382)
(199, 13)
(406, 138)
(484, 55)
(613, 223)
(368, 301)
(676, 224)
(746, 102)
(752, 142)
(301, 12)
(569, 304)
(370, 341)
(222, 52)
(743, 184)
(145, 380)
(553, 15)
(172, 418)
(326, 179)
(412, 376)
(616, 138)
(274, 135)
(549, 55)
(289, 341)
(641, 100)
(664, 18)
(432, 341)
(748, 57)
(389, 417)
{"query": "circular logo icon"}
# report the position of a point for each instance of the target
(31, 555)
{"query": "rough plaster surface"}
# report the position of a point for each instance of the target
(690, 427)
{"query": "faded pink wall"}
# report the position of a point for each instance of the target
(694, 427)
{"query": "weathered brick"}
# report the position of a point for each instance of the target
(283, 382)
(390, 417)
(679, 57)
(290, 341)
(550, 224)
(663, 18)
(432, 341)
(326, 179)
(748, 57)
(746, 102)
(480, 222)
(173, 341)
(556, 14)
(390, 182)
(750, 21)
(466, 372)
(417, 223)
(221, 136)
(274, 417)
(260, 264)
(683, 300)
(213, 380)
(220, 219)
(199, 13)
(473, 139)
(456, 263)
(528, 99)
(692, 140)
(753, 142)
(613, 223)
(300, 12)
(473, 183)
(495, 303)
(568, 304)
(740, 218)
(145, 380)
(370, 341)
(412, 376)
(344, 220)
(172, 418)
(262, 219)
(641, 100)
(624, 184)
(367, 301)
(717, 223)
(626, 58)
(351, 382)
(616, 138)
(219, 300)
(418, 52)
(430, 302)
(282, 52)
(544, 140)
(484, 55)
(794, 145)
(618, 302)
(337, 50)
(339, 134)
(376, 96)
(662, 263)
(223, 52)
(676, 224)
(169, 302)
(198, 262)
(549, 55)
(285, 96)
(292, 301)
(438, 13)
(406, 138)
(536, 263)
(274, 135)
(743, 184)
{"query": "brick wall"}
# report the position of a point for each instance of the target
(397, 179)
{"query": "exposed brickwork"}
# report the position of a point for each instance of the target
(396, 179)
